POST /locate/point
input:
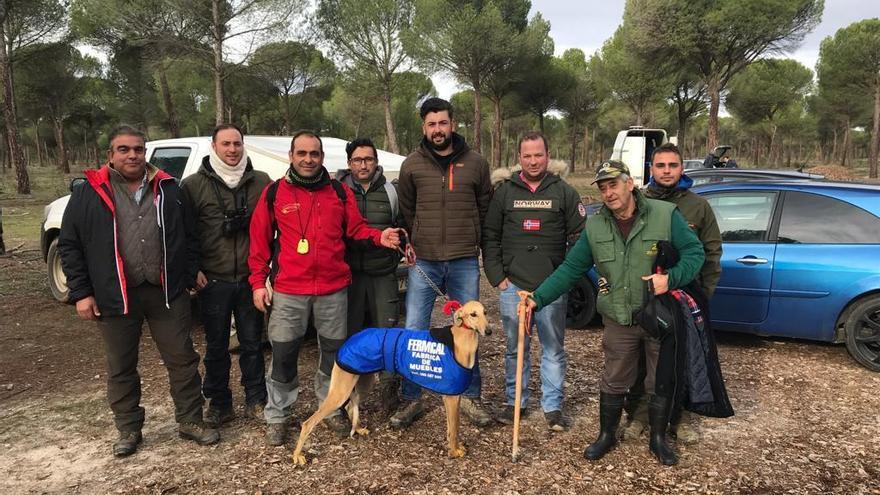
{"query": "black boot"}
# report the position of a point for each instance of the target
(610, 407)
(658, 414)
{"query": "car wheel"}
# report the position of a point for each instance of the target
(863, 332)
(581, 309)
(57, 280)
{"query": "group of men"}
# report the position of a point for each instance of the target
(311, 249)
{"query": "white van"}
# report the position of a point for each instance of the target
(634, 148)
(182, 157)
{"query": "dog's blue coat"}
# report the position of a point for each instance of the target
(423, 357)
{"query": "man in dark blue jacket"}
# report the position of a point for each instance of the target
(127, 258)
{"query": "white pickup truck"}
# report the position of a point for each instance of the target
(182, 157)
(634, 148)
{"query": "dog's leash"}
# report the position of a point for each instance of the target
(409, 255)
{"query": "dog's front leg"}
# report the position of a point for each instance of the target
(454, 446)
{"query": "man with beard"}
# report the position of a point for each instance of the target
(312, 216)
(669, 183)
(531, 221)
(444, 195)
(221, 197)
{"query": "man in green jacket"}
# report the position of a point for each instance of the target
(669, 183)
(532, 219)
(221, 196)
(621, 239)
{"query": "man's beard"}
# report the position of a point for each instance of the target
(443, 145)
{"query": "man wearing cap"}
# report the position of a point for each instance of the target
(621, 239)
(669, 183)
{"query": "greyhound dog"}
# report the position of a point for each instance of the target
(416, 355)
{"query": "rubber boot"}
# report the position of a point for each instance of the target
(658, 416)
(610, 408)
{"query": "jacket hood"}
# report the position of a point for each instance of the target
(459, 146)
(344, 175)
(684, 183)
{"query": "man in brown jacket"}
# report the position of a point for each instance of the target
(444, 193)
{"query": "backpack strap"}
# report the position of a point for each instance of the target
(391, 191)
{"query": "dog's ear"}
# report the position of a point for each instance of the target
(458, 317)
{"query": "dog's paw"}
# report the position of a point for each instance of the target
(298, 459)
(457, 452)
(360, 431)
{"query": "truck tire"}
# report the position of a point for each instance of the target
(57, 280)
(581, 309)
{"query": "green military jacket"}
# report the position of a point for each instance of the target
(380, 211)
(622, 262)
(526, 234)
(701, 219)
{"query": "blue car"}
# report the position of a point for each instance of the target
(801, 259)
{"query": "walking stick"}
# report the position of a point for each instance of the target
(524, 317)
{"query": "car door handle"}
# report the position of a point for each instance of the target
(751, 260)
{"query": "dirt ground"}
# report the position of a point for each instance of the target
(807, 421)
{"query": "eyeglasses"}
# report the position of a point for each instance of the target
(367, 160)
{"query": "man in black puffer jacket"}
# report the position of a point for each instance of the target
(127, 258)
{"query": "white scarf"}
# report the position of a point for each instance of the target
(230, 175)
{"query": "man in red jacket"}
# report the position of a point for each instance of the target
(311, 215)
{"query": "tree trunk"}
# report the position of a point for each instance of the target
(37, 141)
(846, 135)
(165, 89)
(573, 150)
(13, 136)
(478, 119)
(714, 90)
(875, 133)
(218, 28)
(63, 162)
(541, 122)
(288, 125)
(496, 135)
(389, 121)
(682, 130)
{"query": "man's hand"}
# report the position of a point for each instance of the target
(526, 298)
(390, 238)
(503, 284)
(87, 308)
(201, 280)
(262, 299)
(660, 281)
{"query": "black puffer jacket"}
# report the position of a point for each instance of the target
(89, 250)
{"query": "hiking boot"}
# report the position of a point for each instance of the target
(633, 430)
(685, 433)
(199, 433)
(276, 434)
(127, 443)
(255, 412)
(339, 424)
(388, 387)
(407, 413)
(506, 415)
(472, 407)
(215, 416)
(556, 421)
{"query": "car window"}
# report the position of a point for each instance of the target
(171, 160)
(743, 216)
(815, 219)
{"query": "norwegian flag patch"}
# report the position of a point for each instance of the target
(531, 224)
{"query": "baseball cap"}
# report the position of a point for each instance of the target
(609, 170)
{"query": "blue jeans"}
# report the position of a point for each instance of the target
(551, 332)
(460, 280)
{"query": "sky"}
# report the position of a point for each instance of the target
(586, 24)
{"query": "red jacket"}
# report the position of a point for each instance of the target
(320, 212)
